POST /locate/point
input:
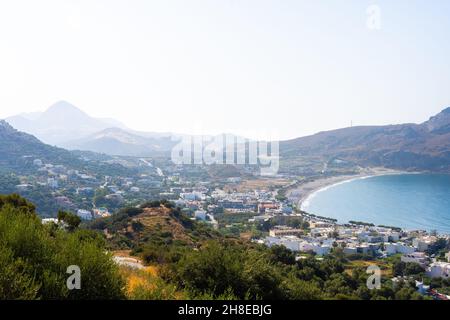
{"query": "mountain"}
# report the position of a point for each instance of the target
(18, 150)
(439, 124)
(117, 141)
(423, 146)
(410, 146)
(61, 122)
(66, 126)
(120, 142)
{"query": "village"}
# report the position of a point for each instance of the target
(320, 236)
(260, 213)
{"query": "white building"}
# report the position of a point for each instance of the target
(192, 196)
(135, 189)
(350, 250)
(306, 246)
(393, 236)
(52, 183)
(372, 237)
(322, 250)
(315, 232)
(84, 214)
(439, 270)
(290, 242)
(200, 215)
(345, 232)
(415, 257)
(394, 248)
(23, 187)
(422, 243)
(317, 248)
(49, 220)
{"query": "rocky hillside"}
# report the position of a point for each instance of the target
(153, 223)
(423, 146)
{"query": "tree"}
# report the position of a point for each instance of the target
(413, 269)
(297, 289)
(17, 202)
(282, 254)
(213, 269)
(71, 220)
(404, 293)
(14, 282)
(398, 268)
(261, 277)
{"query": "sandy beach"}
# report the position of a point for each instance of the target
(301, 193)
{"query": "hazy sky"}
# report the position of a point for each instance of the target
(250, 67)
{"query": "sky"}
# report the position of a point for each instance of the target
(257, 68)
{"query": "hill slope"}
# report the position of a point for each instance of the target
(116, 141)
(18, 151)
(423, 146)
(155, 224)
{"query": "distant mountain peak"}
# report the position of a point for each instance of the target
(439, 123)
(64, 106)
(60, 123)
(62, 103)
(6, 126)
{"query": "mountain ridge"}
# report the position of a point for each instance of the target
(410, 146)
(60, 122)
(424, 146)
(117, 141)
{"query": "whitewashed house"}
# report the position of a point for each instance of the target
(439, 270)
(84, 214)
(415, 257)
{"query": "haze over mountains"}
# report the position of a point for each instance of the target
(59, 123)
(66, 126)
(121, 142)
(423, 146)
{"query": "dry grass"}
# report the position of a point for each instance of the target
(157, 221)
(146, 284)
(386, 270)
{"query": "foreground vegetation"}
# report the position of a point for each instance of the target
(34, 258)
(191, 262)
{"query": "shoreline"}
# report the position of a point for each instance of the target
(306, 191)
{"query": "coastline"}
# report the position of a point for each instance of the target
(303, 193)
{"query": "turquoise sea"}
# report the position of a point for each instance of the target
(410, 201)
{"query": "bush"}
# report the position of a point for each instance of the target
(34, 258)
